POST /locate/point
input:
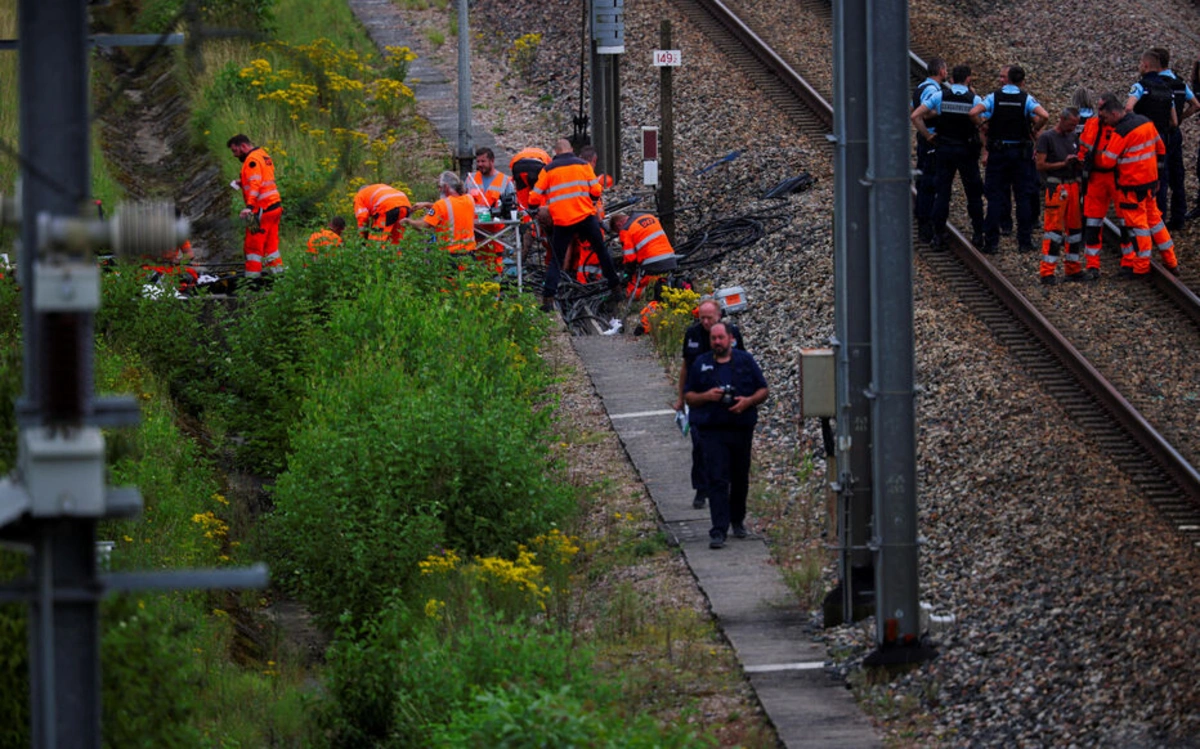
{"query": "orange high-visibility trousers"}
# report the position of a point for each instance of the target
(1101, 192)
(1062, 227)
(1141, 215)
(1159, 236)
(261, 245)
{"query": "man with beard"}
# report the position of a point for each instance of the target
(724, 389)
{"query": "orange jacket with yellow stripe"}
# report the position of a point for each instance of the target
(644, 240)
(1134, 150)
(372, 204)
(454, 220)
(258, 181)
(569, 188)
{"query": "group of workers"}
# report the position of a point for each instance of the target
(1125, 152)
(561, 193)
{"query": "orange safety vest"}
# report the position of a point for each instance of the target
(258, 181)
(323, 239)
(569, 188)
(454, 220)
(487, 190)
(373, 203)
(1134, 150)
(644, 240)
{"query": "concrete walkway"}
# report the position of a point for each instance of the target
(753, 606)
(434, 88)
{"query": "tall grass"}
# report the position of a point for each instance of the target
(9, 122)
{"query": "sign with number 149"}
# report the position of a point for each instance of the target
(667, 58)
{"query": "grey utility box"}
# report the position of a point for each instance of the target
(818, 383)
(64, 471)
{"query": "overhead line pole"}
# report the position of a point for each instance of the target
(465, 156)
(55, 180)
(852, 314)
(897, 618)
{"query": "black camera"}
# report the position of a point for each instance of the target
(508, 203)
(727, 393)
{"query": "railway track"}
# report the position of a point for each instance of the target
(1156, 467)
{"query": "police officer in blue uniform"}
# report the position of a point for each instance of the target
(696, 341)
(926, 178)
(724, 389)
(957, 151)
(1012, 116)
(1185, 105)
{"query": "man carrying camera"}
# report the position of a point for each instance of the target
(724, 388)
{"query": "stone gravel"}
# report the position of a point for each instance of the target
(1077, 611)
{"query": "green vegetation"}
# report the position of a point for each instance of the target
(9, 112)
(397, 410)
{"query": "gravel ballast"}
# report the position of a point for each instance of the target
(1077, 610)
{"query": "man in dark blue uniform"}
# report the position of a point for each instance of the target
(926, 150)
(724, 389)
(696, 342)
(957, 152)
(1013, 116)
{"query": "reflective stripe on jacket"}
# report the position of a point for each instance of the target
(258, 181)
(569, 188)
(454, 220)
(1134, 150)
(644, 240)
(371, 204)
(487, 190)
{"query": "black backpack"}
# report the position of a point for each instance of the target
(525, 173)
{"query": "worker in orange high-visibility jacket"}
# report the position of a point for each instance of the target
(646, 248)
(525, 167)
(379, 210)
(176, 262)
(263, 207)
(1057, 160)
(327, 238)
(452, 216)
(1134, 150)
(582, 258)
(1100, 185)
(568, 188)
(491, 189)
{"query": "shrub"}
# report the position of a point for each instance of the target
(173, 337)
(671, 320)
(394, 680)
(523, 54)
(420, 429)
(522, 718)
(148, 688)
